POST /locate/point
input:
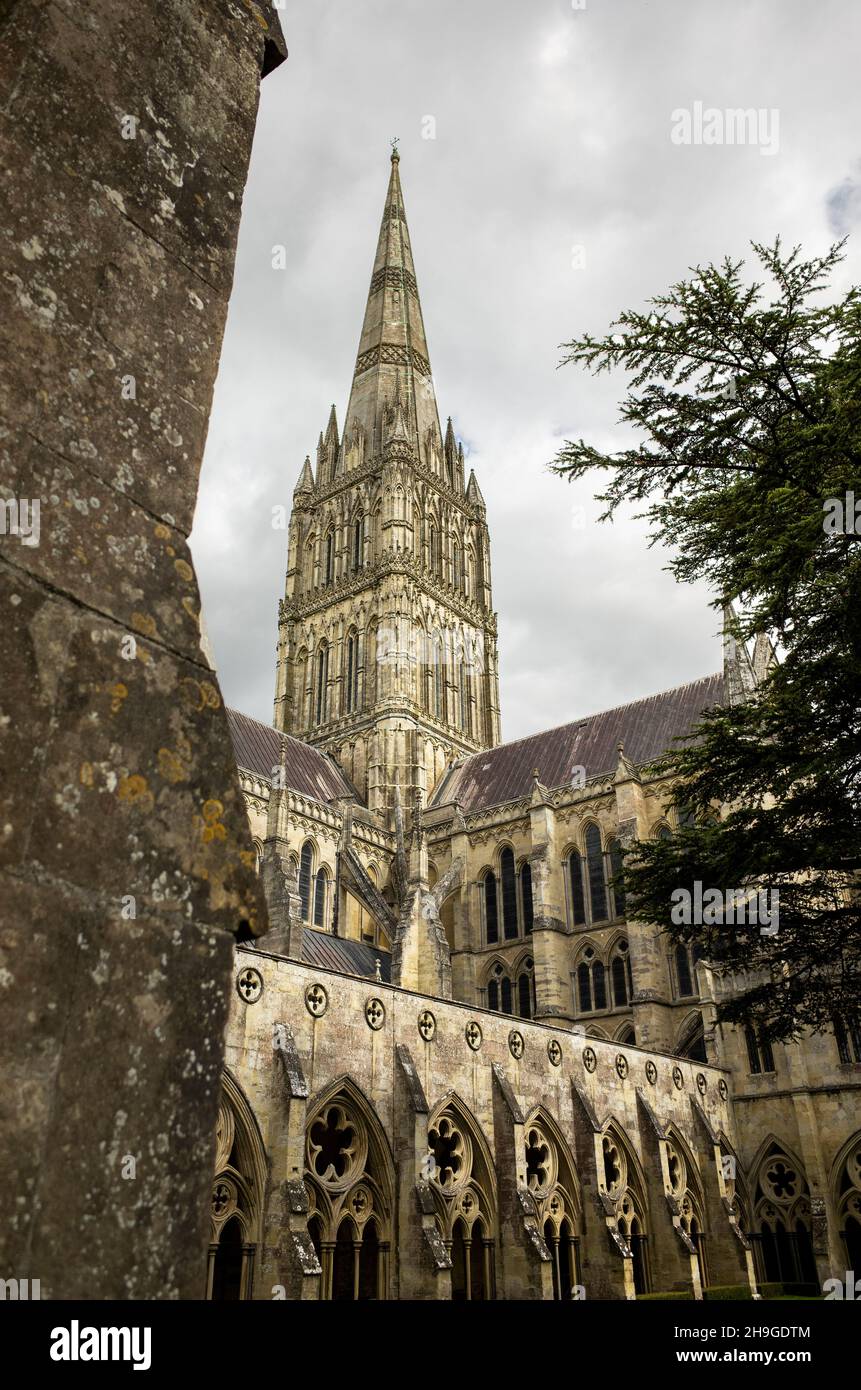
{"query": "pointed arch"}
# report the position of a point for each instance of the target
(781, 1217)
(463, 1186)
(238, 1191)
(845, 1184)
(350, 1182)
(552, 1179)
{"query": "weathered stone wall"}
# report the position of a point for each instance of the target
(125, 858)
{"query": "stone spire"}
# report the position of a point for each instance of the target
(393, 351)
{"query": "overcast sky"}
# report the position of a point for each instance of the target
(552, 130)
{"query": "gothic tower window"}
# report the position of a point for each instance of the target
(578, 902)
(329, 563)
(491, 916)
(321, 884)
(358, 543)
(433, 549)
(321, 698)
(509, 893)
(437, 677)
(526, 903)
(595, 874)
(455, 566)
(305, 865)
(465, 708)
(351, 685)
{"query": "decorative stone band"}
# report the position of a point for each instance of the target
(396, 277)
(395, 354)
(394, 210)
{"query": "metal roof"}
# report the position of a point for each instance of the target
(647, 728)
(347, 957)
(310, 772)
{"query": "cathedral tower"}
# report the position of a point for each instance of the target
(387, 636)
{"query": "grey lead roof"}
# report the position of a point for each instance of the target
(310, 772)
(646, 728)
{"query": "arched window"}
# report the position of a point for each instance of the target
(329, 562)
(595, 873)
(308, 566)
(759, 1053)
(591, 983)
(686, 958)
(584, 988)
(599, 985)
(509, 893)
(437, 675)
(351, 682)
(305, 880)
(465, 708)
(526, 989)
(526, 896)
(664, 833)
(358, 542)
(491, 916)
(620, 974)
(455, 566)
(237, 1189)
(616, 871)
(433, 547)
(322, 684)
(350, 1186)
(463, 1187)
(320, 886)
(505, 992)
(782, 1214)
(847, 1033)
(578, 902)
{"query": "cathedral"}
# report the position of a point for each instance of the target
(455, 1067)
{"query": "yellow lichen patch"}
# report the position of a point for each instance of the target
(118, 693)
(135, 790)
(249, 858)
(188, 605)
(212, 827)
(257, 15)
(192, 693)
(85, 776)
(210, 695)
(184, 570)
(162, 532)
(171, 766)
(142, 622)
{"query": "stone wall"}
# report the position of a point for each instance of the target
(125, 858)
(369, 1037)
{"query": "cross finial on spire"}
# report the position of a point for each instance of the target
(395, 143)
